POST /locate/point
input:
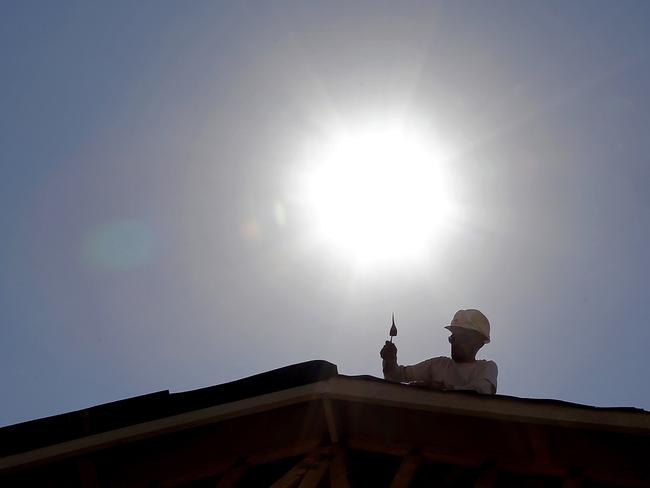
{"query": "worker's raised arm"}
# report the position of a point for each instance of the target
(420, 373)
(389, 365)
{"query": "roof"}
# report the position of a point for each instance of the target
(317, 401)
(110, 416)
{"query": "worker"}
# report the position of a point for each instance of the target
(470, 330)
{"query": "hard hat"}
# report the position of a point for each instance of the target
(471, 319)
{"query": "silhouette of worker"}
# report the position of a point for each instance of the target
(470, 330)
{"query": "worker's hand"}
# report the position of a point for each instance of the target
(389, 352)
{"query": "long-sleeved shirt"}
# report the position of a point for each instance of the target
(480, 375)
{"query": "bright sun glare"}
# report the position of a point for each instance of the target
(377, 193)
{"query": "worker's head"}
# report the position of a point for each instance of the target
(470, 329)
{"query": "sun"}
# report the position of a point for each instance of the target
(376, 193)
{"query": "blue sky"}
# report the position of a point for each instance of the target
(145, 150)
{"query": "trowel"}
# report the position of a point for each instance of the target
(393, 330)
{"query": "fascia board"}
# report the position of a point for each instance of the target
(513, 410)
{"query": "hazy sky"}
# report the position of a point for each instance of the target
(151, 239)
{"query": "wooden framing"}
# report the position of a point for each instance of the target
(487, 477)
(331, 420)
(406, 471)
(338, 470)
(233, 476)
(312, 462)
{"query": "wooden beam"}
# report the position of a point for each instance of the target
(331, 420)
(390, 449)
(171, 475)
(539, 443)
(573, 479)
(298, 471)
(233, 476)
(475, 460)
(572, 483)
(88, 473)
(487, 476)
(406, 471)
(453, 476)
(270, 455)
(465, 459)
(339, 470)
(313, 477)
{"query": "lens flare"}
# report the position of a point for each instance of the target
(120, 245)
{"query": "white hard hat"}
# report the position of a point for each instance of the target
(471, 319)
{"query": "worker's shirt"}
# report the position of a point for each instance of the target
(480, 375)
